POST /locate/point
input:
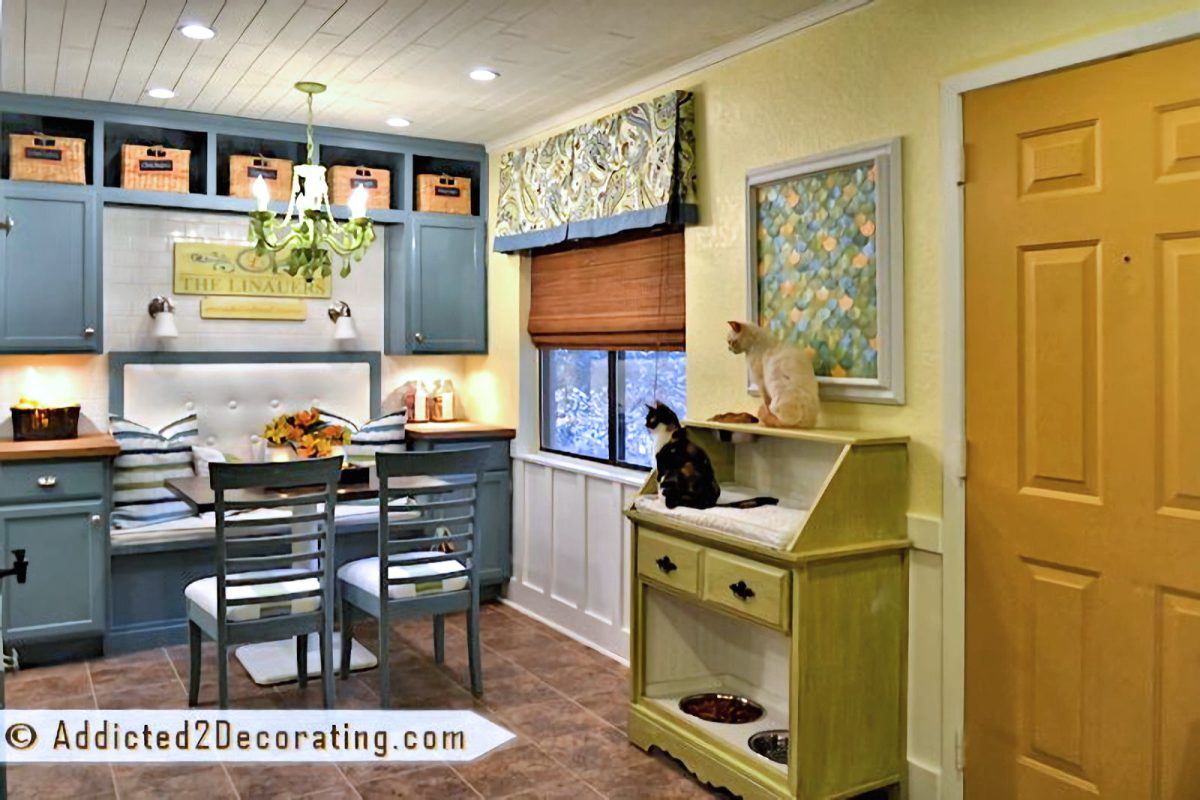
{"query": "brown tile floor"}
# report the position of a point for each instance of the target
(565, 702)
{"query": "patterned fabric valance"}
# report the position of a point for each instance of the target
(631, 169)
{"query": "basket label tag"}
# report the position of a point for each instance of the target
(369, 183)
(446, 191)
(44, 153)
(155, 165)
(262, 172)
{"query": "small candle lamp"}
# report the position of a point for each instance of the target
(40, 414)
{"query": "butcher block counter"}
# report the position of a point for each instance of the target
(92, 445)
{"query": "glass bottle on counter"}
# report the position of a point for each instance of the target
(443, 401)
(420, 403)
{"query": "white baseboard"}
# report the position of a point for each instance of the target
(570, 634)
(924, 781)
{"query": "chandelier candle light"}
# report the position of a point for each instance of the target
(308, 227)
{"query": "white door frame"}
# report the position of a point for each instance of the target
(1177, 27)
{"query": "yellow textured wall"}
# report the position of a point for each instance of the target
(866, 75)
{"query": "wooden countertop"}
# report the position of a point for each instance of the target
(457, 430)
(92, 445)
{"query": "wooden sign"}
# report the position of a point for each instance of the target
(253, 308)
(225, 268)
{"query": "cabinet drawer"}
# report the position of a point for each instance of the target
(668, 561)
(497, 456)
(34, 481)
(747, 587)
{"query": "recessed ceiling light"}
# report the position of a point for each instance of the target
(194, 30)
(398, 122)
(484, 74)
(160, 93)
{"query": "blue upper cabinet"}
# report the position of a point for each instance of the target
(442, 283)
(50, 287)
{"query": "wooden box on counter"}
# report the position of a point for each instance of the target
(807, 618)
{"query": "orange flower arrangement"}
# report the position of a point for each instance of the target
(306, 433)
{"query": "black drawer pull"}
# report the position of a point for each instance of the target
(741, 590)
(666, 564)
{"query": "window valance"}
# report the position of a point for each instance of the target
(631, 169)
(626, 294)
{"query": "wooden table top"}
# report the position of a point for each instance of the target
(198, 493)
(91, 445)
(457, 430)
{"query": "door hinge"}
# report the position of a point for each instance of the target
(960, 757)
(962, 166)
(962, 459)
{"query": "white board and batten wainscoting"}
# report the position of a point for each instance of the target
(571, 555)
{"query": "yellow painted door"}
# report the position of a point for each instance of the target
(1083, 430)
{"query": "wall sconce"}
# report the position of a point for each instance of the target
(162, 311)
(343, 323)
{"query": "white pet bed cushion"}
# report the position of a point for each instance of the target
(204, 594)
(773, 526)
(364, 574)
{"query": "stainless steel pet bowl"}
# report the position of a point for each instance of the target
(720, 707)
(771, 744)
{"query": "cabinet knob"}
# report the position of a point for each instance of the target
(741, 590)
(666, 564)
(47, 481)
(420, 337)
(96, 519)
(8, 224)
(89, 331)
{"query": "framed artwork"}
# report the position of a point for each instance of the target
(825, 252)
(226, 268)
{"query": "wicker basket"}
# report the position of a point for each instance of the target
(38, 157)
(344, 180)
(155, 169)
(275, 172)
(444, 194)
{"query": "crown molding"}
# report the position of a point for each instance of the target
(790, 25)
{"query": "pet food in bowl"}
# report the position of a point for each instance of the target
(719, 707)
(771, 744)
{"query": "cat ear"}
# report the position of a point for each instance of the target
(736, 326)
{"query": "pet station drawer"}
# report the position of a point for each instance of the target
(35, 481)
(668, 561)
(746, 587)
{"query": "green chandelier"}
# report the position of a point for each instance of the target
(308, 230)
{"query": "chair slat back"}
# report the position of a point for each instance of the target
(295, 543)
(427, 502)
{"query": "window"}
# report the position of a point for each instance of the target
(594, 401)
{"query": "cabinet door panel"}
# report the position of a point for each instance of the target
(49, 271)
(447, 286)
(64, 544)
(495, 528)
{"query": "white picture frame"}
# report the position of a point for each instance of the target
(887, 385)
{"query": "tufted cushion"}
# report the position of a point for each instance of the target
(147, 460)
(204, 594)
(364, 574)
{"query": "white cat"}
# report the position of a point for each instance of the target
(784, 374)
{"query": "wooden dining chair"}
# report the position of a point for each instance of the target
(426, 554)
(274, 575)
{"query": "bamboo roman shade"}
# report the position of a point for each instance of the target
(623, 295)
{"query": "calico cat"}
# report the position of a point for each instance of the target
(685, 473)
(783, 373)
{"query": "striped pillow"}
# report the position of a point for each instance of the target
(383, 434)
(147, 460)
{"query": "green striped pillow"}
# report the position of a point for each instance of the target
(147, 460)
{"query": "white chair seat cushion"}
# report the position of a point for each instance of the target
(204, 594)
(364, 574)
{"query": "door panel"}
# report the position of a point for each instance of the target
(49, 271)
(1083, 422)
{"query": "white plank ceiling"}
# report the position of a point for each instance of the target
(380, 57)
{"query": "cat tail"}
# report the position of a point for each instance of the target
(753, 502)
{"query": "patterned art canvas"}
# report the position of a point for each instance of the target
(817, 265)
(825, 267)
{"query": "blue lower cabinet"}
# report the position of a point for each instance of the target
(50, 286)
(65, 545)
(437, 287)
